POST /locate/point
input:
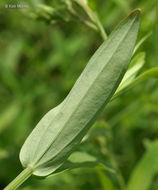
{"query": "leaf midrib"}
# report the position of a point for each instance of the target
(78, 104)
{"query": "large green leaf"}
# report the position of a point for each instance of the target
(61, 129)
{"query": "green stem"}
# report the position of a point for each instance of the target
(23, 176)
(94, 18)
(110, 153)
(115, 163)
(101, 29)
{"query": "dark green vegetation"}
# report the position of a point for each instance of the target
(39, 64)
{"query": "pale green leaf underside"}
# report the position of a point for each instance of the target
(61, 129)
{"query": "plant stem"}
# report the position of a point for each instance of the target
(115, 164)
(110, 153)
(101, 29)
(94, 18)
(23, 176)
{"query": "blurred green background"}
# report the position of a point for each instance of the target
(39, 63)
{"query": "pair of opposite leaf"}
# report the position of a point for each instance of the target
(59, 132)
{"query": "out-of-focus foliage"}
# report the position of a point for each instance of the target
(39, 63)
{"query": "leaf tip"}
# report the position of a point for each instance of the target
(136, 11)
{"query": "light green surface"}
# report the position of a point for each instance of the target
(58, 133)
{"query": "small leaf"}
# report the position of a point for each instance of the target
(82, 159)
(106, 182)
(149, 74)
(145, 170)
(141, 42)
(62, 129)
(137, 63)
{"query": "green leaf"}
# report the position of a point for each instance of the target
(59, 132)
(141, 42)
(82, 159)
(136, 63)
(105, 181)
(145, 170)
(149, 74)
